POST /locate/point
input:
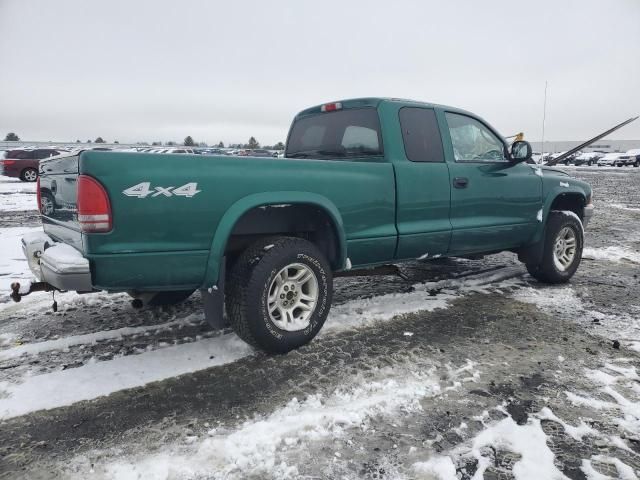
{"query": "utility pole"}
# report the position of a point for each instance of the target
(544, 116)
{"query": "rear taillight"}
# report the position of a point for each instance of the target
(7, 162)
(38, 194)
(94, 209)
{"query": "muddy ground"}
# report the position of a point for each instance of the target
(506, 378)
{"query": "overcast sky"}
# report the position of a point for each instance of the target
(160, 70)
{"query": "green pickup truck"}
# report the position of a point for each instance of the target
(364, 182)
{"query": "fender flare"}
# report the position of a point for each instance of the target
(534, 251)
(236, 210)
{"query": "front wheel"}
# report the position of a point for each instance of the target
(279, 293)
(564, 239)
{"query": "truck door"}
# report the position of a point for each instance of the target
(494, 202)
(422, 187)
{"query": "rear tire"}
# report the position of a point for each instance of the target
(563, 243)
(263, 308)
(29, 175)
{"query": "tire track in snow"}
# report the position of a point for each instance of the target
(98, 378)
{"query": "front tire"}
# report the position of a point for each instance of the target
(279, 293)
(563, 243)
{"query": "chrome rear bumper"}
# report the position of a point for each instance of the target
(57, 264)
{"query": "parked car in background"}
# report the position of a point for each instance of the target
(634, 155)
(23, 163)
(259, 153)
(628, 158)
(609, 160)
(587, 158)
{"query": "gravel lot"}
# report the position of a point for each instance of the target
(434, 370)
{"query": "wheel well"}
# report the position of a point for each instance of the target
(306, 221)
(570, 201)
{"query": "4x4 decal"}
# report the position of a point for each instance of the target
(143, 190)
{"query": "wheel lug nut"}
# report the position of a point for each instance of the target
(293, 287)
(282, 295)
(286, 289)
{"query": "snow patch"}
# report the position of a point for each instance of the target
(574, 432)
(612, 254)
(102, 378)
(91, 338)
(436, 468)
(529, 441)
(13, 264)
(539, 215)
(258, 447)
(564, 184)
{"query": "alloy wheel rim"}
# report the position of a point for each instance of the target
(564, 249)
(292, 297)
(30, 175)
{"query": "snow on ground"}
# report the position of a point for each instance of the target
(265, 445)
(102, 378)
(17, 195)
(52, 389)
(624, 207)
(92, 338)
(13, 265)
(613, 254)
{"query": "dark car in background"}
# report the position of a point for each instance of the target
(23, 163)
(260, 153)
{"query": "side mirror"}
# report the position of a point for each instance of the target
(521, 151)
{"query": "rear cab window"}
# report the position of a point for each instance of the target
(421, 135)
(341, 134)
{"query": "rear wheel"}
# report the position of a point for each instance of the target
(564, 239)
(29, 175)
(279, 293)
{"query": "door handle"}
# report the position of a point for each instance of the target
(460, 182)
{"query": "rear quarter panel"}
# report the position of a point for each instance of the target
(150, 233)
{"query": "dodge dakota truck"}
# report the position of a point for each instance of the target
(364, 182)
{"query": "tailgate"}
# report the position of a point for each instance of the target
(58, 198)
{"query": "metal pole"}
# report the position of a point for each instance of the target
(544, 117)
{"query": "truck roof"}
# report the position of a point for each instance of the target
(375, 101)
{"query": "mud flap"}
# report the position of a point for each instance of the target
(213, 300)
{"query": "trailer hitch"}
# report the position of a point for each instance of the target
(16, 296)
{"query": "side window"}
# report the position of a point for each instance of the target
(40, 154)
(356, 137)
(421, 135)
(473, 141)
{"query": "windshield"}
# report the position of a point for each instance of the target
(340, 134)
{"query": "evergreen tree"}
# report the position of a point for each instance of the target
(220, 145)
(253, 143)
(99, 140)
(11, 137)
(188, 141)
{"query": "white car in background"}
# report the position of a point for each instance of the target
(609, 160)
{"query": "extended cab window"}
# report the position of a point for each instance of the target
(472, 140)
(339, 134)
(421, 135)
